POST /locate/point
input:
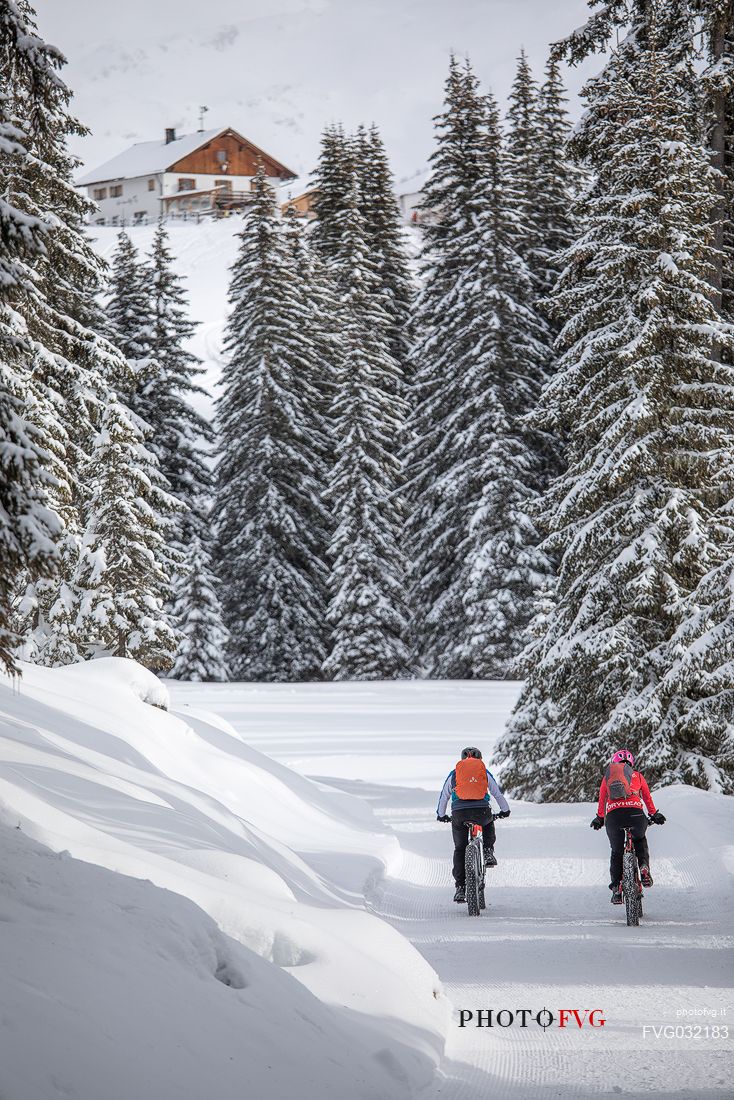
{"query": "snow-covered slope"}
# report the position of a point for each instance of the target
(113, 989)
(90, 764)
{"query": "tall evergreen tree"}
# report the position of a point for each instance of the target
(198, 614)
(436, 434)
(557, 179)
(332, 181)
(177, 430)
(525, 141)
(480, 361)
(121, 576)
(131, 322)
(268, 511)
(500, 349)
(384, 238)
(670, 22)
(367, 580)
(68, 359)
(649, 414)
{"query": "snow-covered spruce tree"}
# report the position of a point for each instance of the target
(367, 610)
(268, 511)
(479, 365)
(121, 576)
(177, 430)
(500, 351)
(649, 414)
(68, 359)
(557, 180)
(435, 434)
(531, 195)
(332, 181)
(384, 237)
(197, 613)
(523, 147)
(29, 528)
(695, 697)
(672, 26)
(130, 324)
(320, 324)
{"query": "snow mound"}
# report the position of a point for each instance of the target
(88, 765)
(114, 988)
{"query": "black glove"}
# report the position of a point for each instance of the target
(503, 813)
(443, 817)
(597, 822)
(658, 818)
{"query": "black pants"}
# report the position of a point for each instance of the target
(459, 820)
(616, 822)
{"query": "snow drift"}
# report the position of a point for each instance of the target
(89, 767)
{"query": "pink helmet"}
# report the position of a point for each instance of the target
(624, 756)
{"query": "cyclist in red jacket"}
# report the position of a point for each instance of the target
(621, 796)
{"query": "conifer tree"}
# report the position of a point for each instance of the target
(480, 362)
(384, 237)
(177, 430)
(557, 180)
(435, 433)
(121, 576)
(198, 614)
(131, 322)
(68, 361)
(367, 580)
(332, 181)
(525, 141)
(648, 411)
(320, 324)
(670, 22)
(694, 700)
(268, 511)
(501, 351)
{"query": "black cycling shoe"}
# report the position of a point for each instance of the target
(460, 894)
(616, 898)
(490, 859)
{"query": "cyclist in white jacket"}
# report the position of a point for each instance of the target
(476, 810)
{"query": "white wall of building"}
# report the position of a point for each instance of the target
(138, 203)
(134, 203)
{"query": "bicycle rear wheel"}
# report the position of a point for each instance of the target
(630, 889)
(473, 879)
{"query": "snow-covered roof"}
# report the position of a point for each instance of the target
(145, 158)
(148, 157)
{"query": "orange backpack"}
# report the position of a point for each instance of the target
(471, 780)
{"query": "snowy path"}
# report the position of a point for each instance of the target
(549, 939)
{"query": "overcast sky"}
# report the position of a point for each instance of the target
(277, 70)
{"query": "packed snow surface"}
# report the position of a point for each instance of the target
(241, 890)
(550, 937)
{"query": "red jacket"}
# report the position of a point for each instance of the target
(641, 793)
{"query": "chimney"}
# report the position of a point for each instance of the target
(170, 135)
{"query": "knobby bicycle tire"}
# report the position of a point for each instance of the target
(630, 889)
(473, 879)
